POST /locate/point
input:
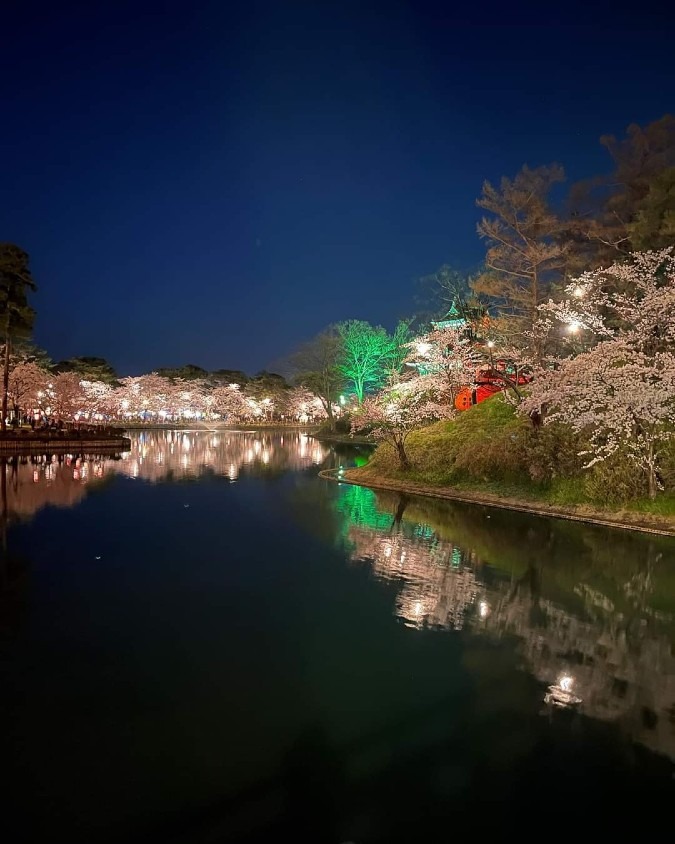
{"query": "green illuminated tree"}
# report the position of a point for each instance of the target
(367, 356)
(16, 314)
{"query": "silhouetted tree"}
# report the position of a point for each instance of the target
(316, 365)
(525, 256)
(16, 314)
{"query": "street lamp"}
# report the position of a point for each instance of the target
(491, 345)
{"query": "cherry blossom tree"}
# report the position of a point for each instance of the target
(621, 390)
(189, 396)
(98, 398)
(634, 298)
(230, 402)
(397, 411)
(445, 360)
(26, 380)
(64, 396)
(620, 396)
(142, 394)
(302, 404)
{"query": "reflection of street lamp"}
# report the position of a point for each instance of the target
(562, 693)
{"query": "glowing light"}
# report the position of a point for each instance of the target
(574, 327)
(483, 609)
(578, 291)
(343, 400)
(423, 348)
(125, 403)
(491, 344)
(566, 682)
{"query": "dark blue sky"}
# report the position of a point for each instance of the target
(216, 184)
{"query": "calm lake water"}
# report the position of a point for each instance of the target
(203, 641)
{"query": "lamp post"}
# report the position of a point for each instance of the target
(491, 345)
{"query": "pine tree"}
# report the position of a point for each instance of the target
(16, 314)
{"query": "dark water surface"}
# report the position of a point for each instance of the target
(203, 641)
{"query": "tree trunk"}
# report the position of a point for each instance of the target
(651, 470)
(402, 456)
(400, 510)
(3, 524)
(5, 379)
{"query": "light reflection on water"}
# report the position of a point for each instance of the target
(313, 626)
(62, 481)
(155, 455)
(597, 631)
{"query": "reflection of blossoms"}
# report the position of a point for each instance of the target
(40, 481)
(437, 588)
(613, 665)
(155, 455)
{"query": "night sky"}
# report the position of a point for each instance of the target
(215, 184)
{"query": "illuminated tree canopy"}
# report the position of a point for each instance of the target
(366, 357)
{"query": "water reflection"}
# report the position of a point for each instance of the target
(157, 455)
(593, 618)
(34, 482)
(38, 481)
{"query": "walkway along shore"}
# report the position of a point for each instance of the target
(644, 523)
(43, 442)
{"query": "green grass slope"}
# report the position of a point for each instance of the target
(490, 448)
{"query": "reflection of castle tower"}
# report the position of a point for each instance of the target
(437, 587)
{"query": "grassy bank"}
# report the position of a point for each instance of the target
(489, 452)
